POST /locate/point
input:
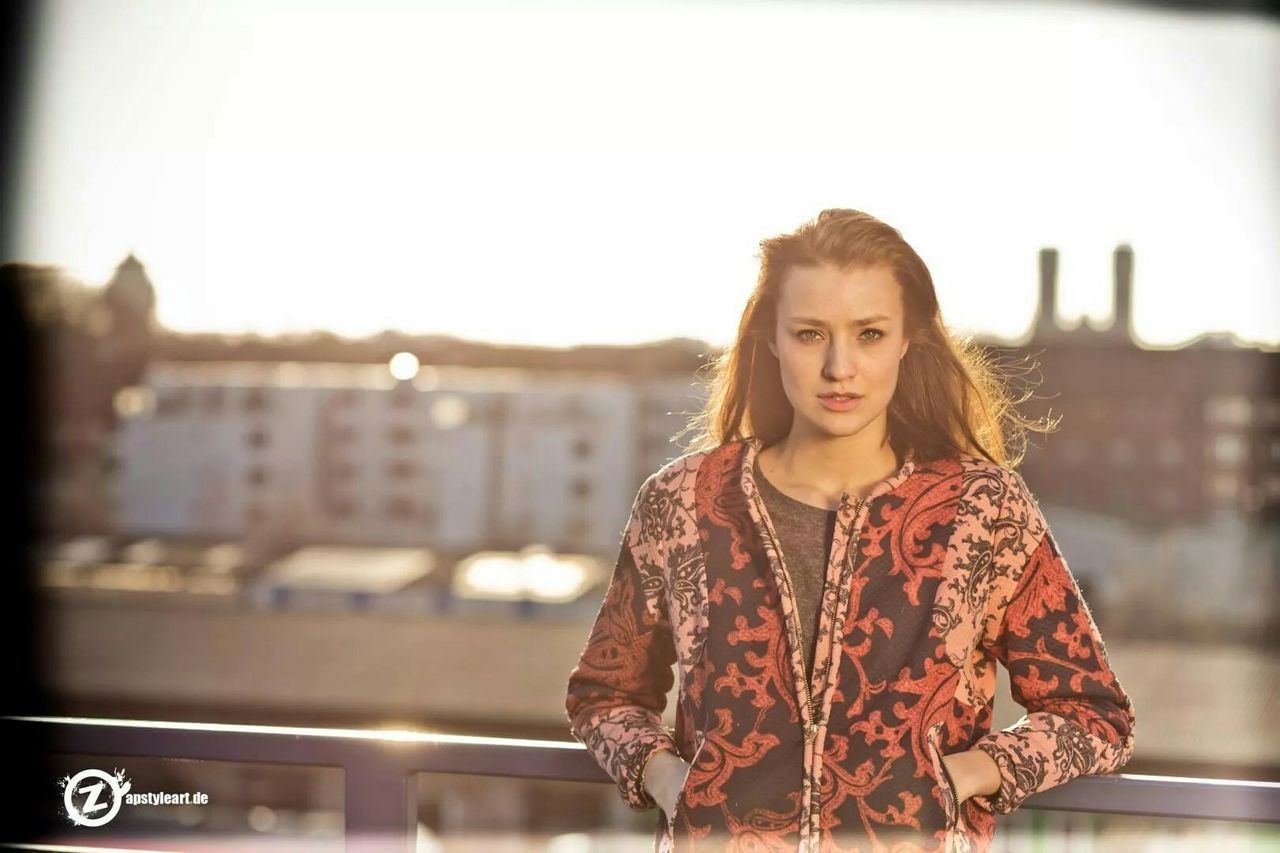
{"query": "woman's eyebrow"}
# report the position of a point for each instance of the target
(865, 321)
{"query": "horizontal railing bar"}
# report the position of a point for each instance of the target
(400, 752)
(1164, 797)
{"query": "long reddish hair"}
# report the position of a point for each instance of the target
(951, 395)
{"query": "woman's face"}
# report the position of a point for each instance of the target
(840, 332)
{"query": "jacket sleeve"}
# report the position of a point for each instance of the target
(618, 690)
(1079, 720)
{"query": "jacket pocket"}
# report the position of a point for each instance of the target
(942, 779)
(684, 789)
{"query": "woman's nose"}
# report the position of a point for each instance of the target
(839, 363)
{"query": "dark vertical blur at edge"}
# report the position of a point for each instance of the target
(24, 452)
(22, 669)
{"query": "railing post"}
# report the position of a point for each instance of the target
(380, 805)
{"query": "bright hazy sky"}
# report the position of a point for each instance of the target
(604, 171)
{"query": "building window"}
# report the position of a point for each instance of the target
(1170, 452)
(214, 398)
(1229, 410)
(1228, 449)
(344, 434)
(1074, 450)
(449, 411)
(402, 469)
(342, 507)
(1252, 498)
(256, 400)
(173, 401)
(403, 396)
(1226, 487)
(1122, 452)
(400, 507)
(340, 470)
(401, 434)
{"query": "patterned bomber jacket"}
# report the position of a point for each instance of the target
(943, 569)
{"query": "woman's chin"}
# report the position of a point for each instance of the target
(836, 424)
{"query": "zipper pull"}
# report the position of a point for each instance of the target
(812, 734)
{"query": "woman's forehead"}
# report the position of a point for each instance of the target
(858, 293)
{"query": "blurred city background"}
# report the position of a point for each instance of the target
(343, 424)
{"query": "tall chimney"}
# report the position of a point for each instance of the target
(1123, 324)
(1046, 322)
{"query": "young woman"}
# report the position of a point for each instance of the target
(833, 572)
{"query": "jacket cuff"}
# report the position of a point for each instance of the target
(1006, 799)
(622, 742)
(1041, 751)
(630, 777)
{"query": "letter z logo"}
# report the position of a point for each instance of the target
(83, 799)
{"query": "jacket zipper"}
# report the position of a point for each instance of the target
(850, 552)
(797, 638)
(952, 822)
(955, 797)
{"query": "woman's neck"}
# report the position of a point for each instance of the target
(820, 471)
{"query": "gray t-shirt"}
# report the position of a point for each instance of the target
(805, 534)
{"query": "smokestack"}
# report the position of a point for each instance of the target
(1123, 291)
(1047, 322)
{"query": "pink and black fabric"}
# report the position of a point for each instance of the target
(945, 568)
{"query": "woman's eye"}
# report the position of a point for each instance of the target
(876, 333)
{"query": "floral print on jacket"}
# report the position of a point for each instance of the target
(943, 569)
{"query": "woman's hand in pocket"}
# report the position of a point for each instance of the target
(664, 778)
(974, 772)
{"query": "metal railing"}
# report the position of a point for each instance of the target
(380, 768)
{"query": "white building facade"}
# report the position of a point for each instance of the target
(455, 459)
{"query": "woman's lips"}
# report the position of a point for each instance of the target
(840, 404)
